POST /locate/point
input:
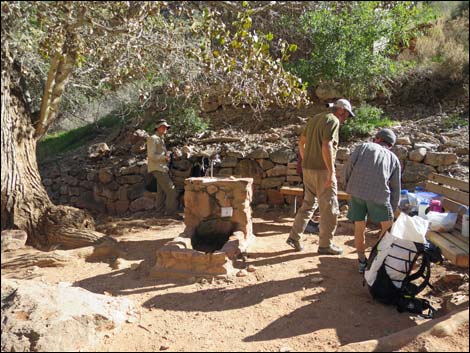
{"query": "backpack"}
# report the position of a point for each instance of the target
(392, 277)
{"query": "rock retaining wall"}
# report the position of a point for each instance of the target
(118, 182)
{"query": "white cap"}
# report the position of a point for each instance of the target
(344, 103)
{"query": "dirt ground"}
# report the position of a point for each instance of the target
(292, 302)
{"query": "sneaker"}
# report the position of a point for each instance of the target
(295, 244)
(330, 250)
(362, 266)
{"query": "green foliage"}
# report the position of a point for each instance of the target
(352, 48)
(367, 119)
(65, 141)
(183, 116)
(456, 121)
(239, 59)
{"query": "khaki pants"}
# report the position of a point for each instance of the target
(317, 195)
(166, 191)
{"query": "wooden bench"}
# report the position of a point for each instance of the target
(453, 245)
(297, 188)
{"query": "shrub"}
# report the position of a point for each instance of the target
(367, 119)
(352, 47)
(182, 115)
(444, 48)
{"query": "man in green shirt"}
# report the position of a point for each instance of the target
(157, 164)
(318, 144)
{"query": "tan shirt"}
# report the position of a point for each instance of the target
(322, 127)
(156, 154)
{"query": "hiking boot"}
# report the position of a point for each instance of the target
(362, 266)
(295, 244)
(330, 250)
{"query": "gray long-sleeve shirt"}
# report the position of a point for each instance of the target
(373, 173)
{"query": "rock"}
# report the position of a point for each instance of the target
(248, 168)
(142, 203)
(401, 152)
(229, 162)
(343, 154)
(273, 138)
(269, 183)
(265, 164)
(57, 318)
(418, 155)
(251, 268)
(282, 156)
(242, 273)
(13, 239)
(285, 349)
(428, 146)
(440, 158)
(259, 153)
(105, 175)
(404, 140)
(98, 150)
(278, 170)
(416, 172)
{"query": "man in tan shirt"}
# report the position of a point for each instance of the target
(318, 144)
(157, 164)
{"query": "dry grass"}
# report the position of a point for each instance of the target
(445, 48)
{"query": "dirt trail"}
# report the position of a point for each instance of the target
(292, 302)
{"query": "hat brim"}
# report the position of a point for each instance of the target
(351, 113)
(163, 124)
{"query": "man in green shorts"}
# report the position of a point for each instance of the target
(372, 177)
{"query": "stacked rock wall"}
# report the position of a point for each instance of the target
(117, 182)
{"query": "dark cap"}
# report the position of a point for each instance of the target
(162, 122)
(387, 135)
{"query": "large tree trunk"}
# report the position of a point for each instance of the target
(25, 203)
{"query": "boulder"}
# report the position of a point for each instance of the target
(57, 318)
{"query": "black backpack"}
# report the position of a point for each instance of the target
(392, 277)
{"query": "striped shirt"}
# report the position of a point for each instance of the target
(373, 173)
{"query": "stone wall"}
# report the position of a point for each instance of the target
(117, 182)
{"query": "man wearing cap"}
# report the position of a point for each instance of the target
(318, 144)
(157, 164)
(372, 176)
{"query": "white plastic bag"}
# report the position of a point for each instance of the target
(441, 222)
(410, 228)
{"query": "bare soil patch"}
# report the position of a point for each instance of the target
(292, 302)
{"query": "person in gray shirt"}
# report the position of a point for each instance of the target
(372, 177)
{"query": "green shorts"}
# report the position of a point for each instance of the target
(359, 209)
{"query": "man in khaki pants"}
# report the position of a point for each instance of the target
(157, 164)
(318, 144)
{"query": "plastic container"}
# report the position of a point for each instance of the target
(404, 203)
(441, 222)
(422, 195)
(422, 207)
(435, 206)
(465, 218)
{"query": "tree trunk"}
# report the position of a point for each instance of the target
(25, 203)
